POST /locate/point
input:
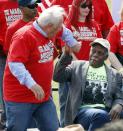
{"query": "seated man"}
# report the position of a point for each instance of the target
(95, 96)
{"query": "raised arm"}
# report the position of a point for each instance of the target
(62, 71)
(68, 38)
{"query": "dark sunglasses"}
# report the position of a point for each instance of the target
(84, 5)
(32, 6)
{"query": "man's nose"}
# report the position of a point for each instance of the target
(96, 54)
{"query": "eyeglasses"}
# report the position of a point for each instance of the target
(32, 6)
(84, 5)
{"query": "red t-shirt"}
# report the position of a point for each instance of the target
(11, 30)
(86, 36)
(9, 12)
(115, 38)
(36, 53)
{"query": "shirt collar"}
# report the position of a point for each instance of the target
(38, 28)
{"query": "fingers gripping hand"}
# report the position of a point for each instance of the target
(38, 91)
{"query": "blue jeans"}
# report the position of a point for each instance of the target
(20, 115)
(92, 118)
(63, 93)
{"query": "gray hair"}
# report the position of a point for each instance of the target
(52, 15)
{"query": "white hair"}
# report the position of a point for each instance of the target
(52, 15)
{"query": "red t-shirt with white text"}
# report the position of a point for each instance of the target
(36, 53)
(86, 35)
(9, 12)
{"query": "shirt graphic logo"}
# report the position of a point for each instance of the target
(46, 52)
(121, 36)
(12, 14)
(85, 33)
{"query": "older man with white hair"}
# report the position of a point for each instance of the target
(29, 69)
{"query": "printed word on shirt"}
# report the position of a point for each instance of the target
(12, 14)
(85, 33)
(46, 52)
(121, 37)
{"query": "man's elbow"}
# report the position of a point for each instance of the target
(57, 78)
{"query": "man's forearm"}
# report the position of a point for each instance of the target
(68, 38)
(61, 73)
(19, 71)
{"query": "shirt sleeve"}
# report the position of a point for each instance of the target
(8, 38)
(107, 18)
(114, 39)
(20, 48)
(68, 38)
(20, 72)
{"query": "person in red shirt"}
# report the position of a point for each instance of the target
(29, 11)
(28, 15)
(29, 70)
(84, 29)
(101, 13)
(115, 37)
(9, 12)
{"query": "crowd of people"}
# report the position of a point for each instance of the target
(83, 36)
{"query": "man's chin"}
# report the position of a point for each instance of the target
(93, 63)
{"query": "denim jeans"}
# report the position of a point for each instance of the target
(92, 118)
(19, 116)
(63, 93)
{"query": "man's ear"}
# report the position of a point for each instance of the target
(106, 56)
(48, 26)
